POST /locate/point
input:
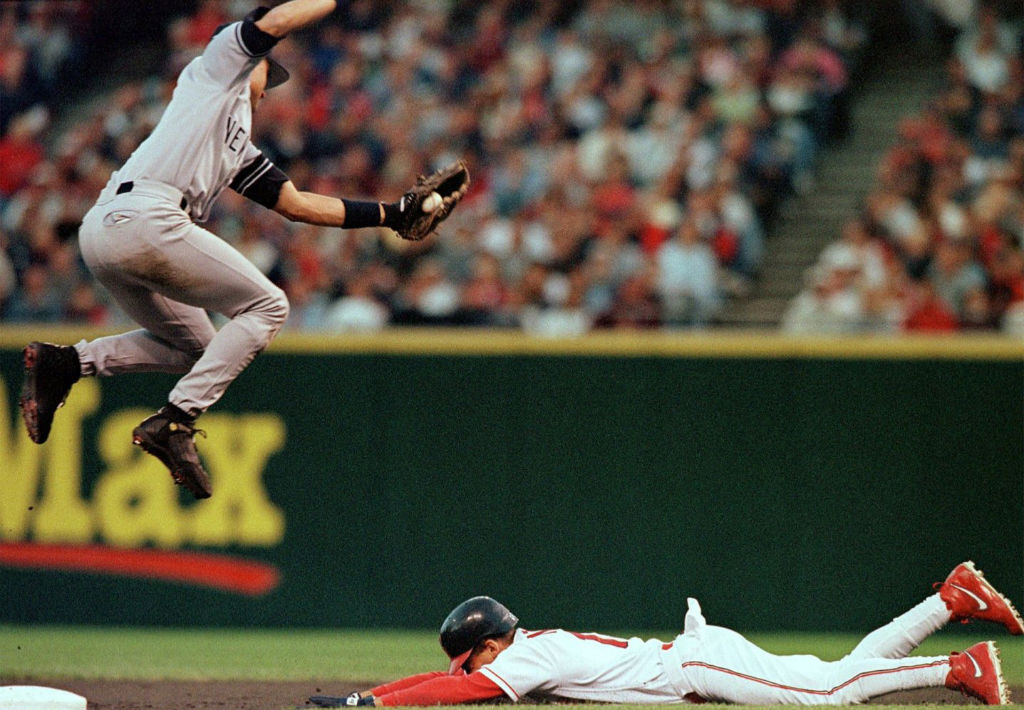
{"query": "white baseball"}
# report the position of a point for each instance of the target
(431, 202)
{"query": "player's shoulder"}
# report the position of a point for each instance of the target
(541, 635)
(527, 633)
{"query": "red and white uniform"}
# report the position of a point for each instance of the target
(704, 663)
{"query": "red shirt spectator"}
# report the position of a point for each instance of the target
(20, 153)
(204, 22)
(927, 312)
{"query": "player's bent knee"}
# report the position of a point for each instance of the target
(271, 311)
(278, 308)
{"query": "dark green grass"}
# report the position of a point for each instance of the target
(344, 655)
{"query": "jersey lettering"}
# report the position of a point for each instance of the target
(235, 137)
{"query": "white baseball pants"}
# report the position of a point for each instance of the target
(166, 273)
(718, 664)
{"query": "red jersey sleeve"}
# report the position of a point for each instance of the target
(404, 683)
(441, 689)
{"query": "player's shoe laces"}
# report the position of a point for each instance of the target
(968, 595)
(978, 673)
(172, 442)
(50, 371)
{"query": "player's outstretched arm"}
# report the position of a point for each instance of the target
(423, 689)
(311, 208)
(417, 214)
(294, 14)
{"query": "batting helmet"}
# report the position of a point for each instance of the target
(471, 622)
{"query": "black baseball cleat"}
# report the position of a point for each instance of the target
(50, 371)
(172, 442)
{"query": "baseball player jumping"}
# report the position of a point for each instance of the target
(491, 658)
(141, 242)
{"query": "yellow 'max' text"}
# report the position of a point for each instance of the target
(134, 503)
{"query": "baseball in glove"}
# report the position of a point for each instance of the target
(421, 210)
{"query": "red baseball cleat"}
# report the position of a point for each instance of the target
(968, 595)
(977, 672)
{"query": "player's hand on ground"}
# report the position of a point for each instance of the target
(431, 200)
(337, 701)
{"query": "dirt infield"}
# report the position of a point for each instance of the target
(277, 695)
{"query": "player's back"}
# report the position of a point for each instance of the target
(202, 138)
(585, 666)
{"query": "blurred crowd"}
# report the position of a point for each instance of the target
(626, 156)
(937, 245)
(39, 50)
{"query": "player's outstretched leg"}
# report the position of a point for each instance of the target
(968, 595)
(50, 371)
(977, 672)
(168, 435)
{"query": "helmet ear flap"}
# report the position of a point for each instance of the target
(457, 663)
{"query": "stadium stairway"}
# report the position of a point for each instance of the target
(897, 86)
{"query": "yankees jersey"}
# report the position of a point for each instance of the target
(202, 141)
(584, 667)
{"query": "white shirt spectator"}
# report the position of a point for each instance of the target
(355, 314)
(569, 62)
(867, 259)
(688, 276)
(825, 307)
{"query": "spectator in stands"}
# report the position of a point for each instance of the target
(949, 204)
(37, 300)
(986, 49)
(636, 305)
(955, 275)
(21, 151)
(926, 311)
(357, 310)
(688, 278)
(832, 303)
(643, 114)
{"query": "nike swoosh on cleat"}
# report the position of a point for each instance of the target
(977, 666)
(982, 606)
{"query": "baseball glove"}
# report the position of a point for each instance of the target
(450, 183)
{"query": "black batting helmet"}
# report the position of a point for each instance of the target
(471, 622)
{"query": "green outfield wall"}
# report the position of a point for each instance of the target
(593, 483)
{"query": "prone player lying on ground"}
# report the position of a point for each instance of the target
(491, 658)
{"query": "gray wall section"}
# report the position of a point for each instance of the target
(594, 492)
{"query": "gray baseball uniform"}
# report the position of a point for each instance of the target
(140, 242)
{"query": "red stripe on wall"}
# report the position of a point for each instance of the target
(200, 569)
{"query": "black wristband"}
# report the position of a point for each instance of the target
(361, 214)
(392, 214)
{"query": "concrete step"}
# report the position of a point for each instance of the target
(846, 173)
(827, 212)
(755, 313)
(805, 233)
(790, 260)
